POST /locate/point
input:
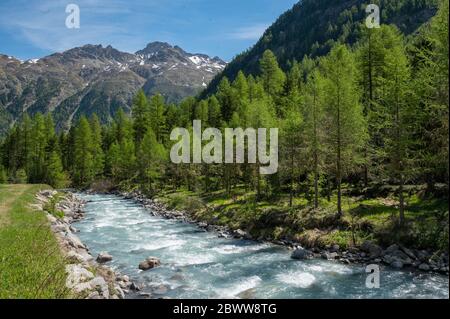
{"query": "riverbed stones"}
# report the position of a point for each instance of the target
(397, 264)
(81, 265)
(334, 248)
(424, 267)
(149, 263)
(77, 274)
(330, 255)
(104, 257)
(372, 249)
(239, 233)
(301, 253)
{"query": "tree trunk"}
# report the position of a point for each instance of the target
(402, 202)
(338, 166)
(291, 194)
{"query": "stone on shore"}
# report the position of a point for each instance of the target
(424, 267)
(372, 249)
(103, 257)
(149, 263)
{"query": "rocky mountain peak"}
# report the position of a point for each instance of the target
(97, 79)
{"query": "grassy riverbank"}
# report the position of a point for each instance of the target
(31, 264)
(364, 219)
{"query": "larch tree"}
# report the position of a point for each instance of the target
(344, 119)
(83, 159)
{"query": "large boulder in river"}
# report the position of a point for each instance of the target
(104, 257)
(301, 254)
(149, 263)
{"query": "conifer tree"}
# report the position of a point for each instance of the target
(313, 131)
(83, 166)
(141, 116)
(157, 116)
(345, 123)
(272, 76)
(98, 157)
(399, 118)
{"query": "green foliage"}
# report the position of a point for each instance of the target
(353, 121)
(3, 175)
(313, 27)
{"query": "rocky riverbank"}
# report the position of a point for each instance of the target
(86, 277)
(395, 256)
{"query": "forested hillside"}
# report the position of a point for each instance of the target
(363, 143)
(313, 27)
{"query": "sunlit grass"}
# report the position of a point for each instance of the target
(31, 264)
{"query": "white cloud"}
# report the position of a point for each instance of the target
(253, 32)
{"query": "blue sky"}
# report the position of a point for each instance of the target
(35, 28)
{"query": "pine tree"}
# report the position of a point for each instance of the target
(151, 159)
(345, 123)
(98, 157)
(272, 76)
(38, 144)
(83, 167)
(291, 136)
(55, 176)
(431, 88)
(157, 116)
(141, 116)
(214, 112)
(313, 131)
(398, 115)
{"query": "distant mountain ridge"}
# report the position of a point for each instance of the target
(96, 79)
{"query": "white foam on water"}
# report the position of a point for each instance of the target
(242, 285)
(158, 244)
(234, 249)
(297, 279)
(193, 259)
(330, 268)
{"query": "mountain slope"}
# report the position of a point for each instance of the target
(96, 79)
(312, 27)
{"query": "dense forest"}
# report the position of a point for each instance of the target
(360, 117)
(313, 27)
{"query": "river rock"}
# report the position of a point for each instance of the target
(99, 284)
(397, 264)
(423, 255)
(392, 248)
(372, 249)
(149, 263)
(300, 254)
(239, 233)
(334, 248)
(103, 257)
(330, 256)
(424, 267)
(408, 252)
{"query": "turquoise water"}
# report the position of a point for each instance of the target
(198, 264)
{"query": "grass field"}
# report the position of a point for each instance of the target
(31, 264)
